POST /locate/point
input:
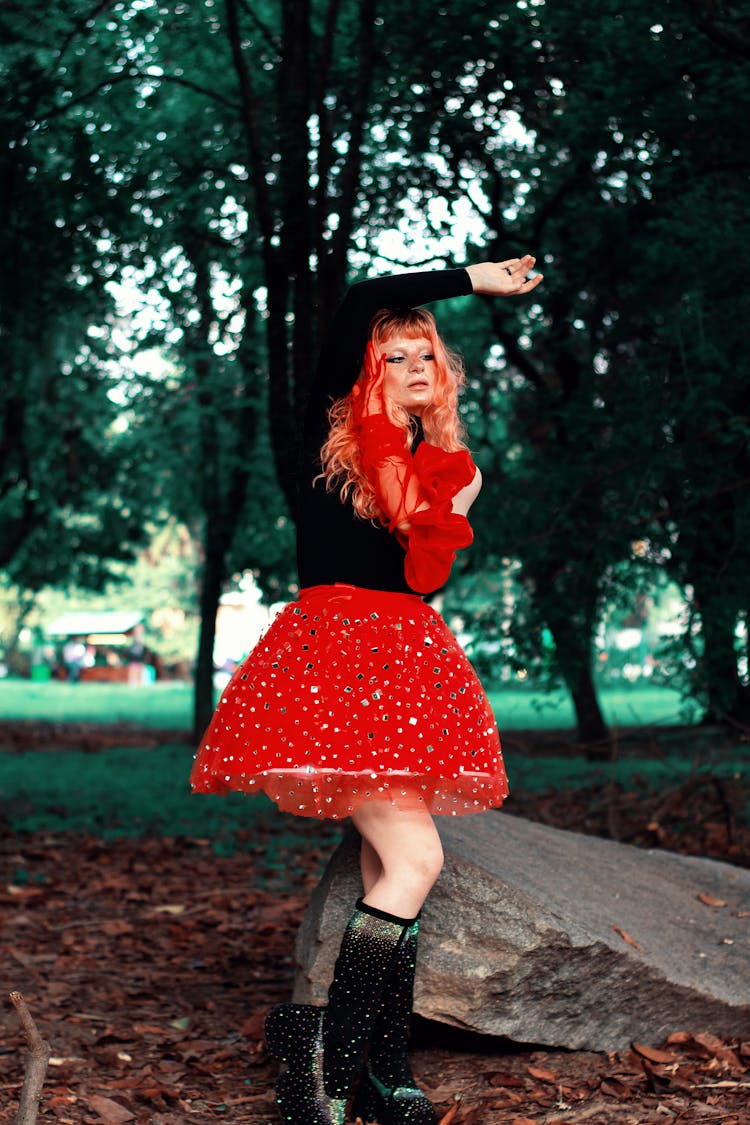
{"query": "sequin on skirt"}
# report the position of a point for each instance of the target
(355, 695)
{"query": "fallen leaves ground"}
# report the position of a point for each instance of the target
(149, 965)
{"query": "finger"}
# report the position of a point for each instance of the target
(524, 265)
(525, 262)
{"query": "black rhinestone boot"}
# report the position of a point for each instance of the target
(388, 1092)
(294, 1036)
(371, 942)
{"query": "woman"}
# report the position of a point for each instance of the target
(358, 701)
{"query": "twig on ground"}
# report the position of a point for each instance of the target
(36, 1064)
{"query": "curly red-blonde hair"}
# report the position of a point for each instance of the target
(340, 454)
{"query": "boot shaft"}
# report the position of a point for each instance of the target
(370, 944)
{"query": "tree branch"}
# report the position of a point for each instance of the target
(350, 173)
(272, 41)
(80, 25)
(446, 259)
(134, 75)
(581, 171)
(36, 1064)
(325, 138)
(252, 128)
(517, 356)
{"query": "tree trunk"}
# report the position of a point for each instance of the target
(572, 633)
(719, 675)
(592, 728)
(213, 577)
(741, 710)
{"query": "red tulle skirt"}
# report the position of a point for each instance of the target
(355, 695)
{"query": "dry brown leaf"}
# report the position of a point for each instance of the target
(653, 1054)
(497, 1078)
(710, 900)
(235, 974)
(115, 927)
(541, 1074)
(658, 1081)
(626, 937)
(709, 1041)
(615, 1089)
(111, 1112)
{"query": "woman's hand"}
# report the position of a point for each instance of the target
(504, 279)
(367, 392)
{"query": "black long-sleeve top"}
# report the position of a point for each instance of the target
(333, 543)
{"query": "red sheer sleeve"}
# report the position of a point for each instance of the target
(414, 493)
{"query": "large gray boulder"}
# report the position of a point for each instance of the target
(556, 938)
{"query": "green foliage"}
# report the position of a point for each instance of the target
(69, 501)
(619, 410)
(161, 583)
(229, 159)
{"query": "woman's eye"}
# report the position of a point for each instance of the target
(427, 356)
(395, 359)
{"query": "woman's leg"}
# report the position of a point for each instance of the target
(408, 848)
(370, 866)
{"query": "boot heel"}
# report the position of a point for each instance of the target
(367, 1102)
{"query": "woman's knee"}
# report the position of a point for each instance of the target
(428, 860)
(407, 843)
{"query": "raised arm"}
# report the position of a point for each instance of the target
(343, 349)
(504, 279)
(344, 345)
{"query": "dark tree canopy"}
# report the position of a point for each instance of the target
(233, 160)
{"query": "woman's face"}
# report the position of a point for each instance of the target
(410, 372)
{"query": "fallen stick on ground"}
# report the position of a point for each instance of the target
(36, 1064)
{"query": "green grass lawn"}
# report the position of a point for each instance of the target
(626, 706)
(133, 791)
(169, 705)
(136, 791)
